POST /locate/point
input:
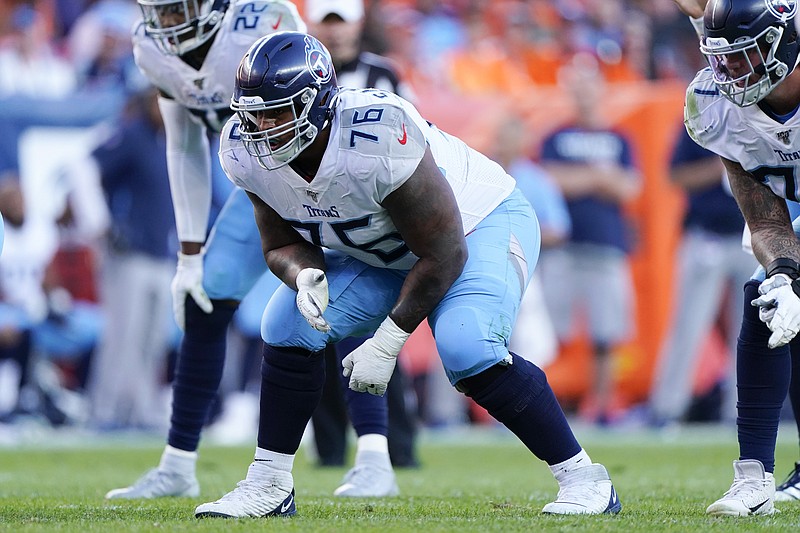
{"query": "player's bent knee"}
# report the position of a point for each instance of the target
(281, 320)
(466, 343)
(293, 368)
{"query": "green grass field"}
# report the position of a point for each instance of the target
(470, 481)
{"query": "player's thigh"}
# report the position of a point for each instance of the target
(234, 259)
(360, 298)
(472, 324)
(610, 301)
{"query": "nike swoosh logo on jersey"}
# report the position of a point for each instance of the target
(277, 22)
(286, 504)
(759, 506)
(404, 138)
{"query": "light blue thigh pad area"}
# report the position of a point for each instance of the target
(360, 297)
(473, 322)
(234, 259)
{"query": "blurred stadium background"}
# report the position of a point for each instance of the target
(67, 74)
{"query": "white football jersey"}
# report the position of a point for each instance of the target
(377, 141)
(763, 146)
(207, 92)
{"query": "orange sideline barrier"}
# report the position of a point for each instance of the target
(649, 114)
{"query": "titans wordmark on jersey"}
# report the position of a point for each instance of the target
(377, 141)
(766, 148)
(207, 92)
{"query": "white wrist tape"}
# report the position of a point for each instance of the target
(389, 337)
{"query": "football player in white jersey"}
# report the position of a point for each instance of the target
(744, 108)
(789, 490)
(376, 220)
(190, 50)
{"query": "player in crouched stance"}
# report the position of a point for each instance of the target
(744, 108)
(363, 208)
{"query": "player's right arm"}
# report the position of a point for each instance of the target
(285, 250)
(189, 169)
(775, 246)
(296, 262)
(766, 215)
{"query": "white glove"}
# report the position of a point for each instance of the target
(779, 307)
(370, 366)
(312, 297)
(188, 280)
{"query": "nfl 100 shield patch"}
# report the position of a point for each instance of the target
(782, 9)
(318, 60)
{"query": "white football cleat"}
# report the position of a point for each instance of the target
(752, 492)
(265, 491)
(789, 490)
(586, 490)
(157, 483)
(372, 477)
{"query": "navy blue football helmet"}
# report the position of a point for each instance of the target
(284, 71)
(751, 46)
(179, 26)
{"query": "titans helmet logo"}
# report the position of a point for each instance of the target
(318, 60)
(782, 9)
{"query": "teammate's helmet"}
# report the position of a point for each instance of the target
(179, 26)
(284, 71)
(751, 46)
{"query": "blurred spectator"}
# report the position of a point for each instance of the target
(594, 168)
(529, 35)
(674, 52)
(28, 248)
(439, 30)
(40, 321)
(128, 375)
(100, 46)
(29, 64)
(481, 65)
(711, 269)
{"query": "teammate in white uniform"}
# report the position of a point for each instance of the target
(363, 208)
(744, 108)
(190, 50)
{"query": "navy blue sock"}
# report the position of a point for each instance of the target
(794, 385)
(198, 372)
(762, 379)
(519, 397)
(368, 413)
(291, 386)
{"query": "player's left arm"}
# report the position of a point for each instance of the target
(426, 214)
